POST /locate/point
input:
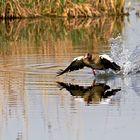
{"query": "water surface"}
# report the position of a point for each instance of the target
(35, 104)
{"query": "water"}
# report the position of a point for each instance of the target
(35, 104)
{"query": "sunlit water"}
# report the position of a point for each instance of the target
(35, 104)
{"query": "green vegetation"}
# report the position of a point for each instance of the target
(65, 8)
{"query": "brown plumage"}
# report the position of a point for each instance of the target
(99, 62)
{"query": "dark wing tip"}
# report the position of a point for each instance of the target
(60, 72)
(116, 67)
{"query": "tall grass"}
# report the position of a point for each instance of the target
(68, 8)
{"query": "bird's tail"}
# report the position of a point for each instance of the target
(115, 67)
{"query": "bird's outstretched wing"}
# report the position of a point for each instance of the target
(109, 64)
(76, 64)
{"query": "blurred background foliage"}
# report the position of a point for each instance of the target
(67, 8)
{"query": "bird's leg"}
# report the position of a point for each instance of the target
(93, 70)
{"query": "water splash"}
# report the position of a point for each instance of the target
(127, 58)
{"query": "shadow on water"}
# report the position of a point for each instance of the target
(94, 94)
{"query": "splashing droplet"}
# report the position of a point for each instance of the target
(128, 59)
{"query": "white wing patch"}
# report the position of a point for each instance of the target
(106, 57)
(78, 58)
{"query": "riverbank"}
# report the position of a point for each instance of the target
(61, 8)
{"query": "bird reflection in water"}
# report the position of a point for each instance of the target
(93, 94)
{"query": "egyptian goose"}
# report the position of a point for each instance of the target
(99, 62)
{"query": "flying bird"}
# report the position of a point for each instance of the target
(95, 62)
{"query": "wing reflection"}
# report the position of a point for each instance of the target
(93, 94)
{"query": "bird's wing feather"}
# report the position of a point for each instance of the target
(105, 62)
(105, 56)
(109, 64)
(75, 65)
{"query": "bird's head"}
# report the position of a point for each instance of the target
(88, 56)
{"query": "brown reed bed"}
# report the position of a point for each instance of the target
(66, 8)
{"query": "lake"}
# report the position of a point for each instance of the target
(36, 104)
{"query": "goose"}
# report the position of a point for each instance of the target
(95, 62)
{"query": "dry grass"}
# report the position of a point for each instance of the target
(67, 8)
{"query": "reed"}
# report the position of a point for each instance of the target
(68, 8)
